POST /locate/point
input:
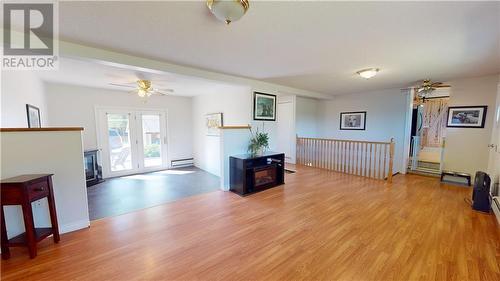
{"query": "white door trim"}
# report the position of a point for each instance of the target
(408, 119)
(102, 144)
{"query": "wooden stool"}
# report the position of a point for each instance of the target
(456, 174)
(22, 190)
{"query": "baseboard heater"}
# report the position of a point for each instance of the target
(182, 162)
(495, 205)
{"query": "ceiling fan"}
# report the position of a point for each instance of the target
(144, 88)
(427, 87)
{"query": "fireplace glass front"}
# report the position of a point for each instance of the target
(265, 175)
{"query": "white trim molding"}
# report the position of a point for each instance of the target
(408, 119)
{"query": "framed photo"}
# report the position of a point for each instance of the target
(214, 121)
(264, 107)
(353, 120)
(33, 114)
(466, 116)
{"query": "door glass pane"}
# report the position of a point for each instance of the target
(119, 142)
(151, 139)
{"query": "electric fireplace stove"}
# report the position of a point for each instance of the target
(249, 173)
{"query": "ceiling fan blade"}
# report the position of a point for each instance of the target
(159, 93)
(165, 90)
(442, 86)
(162, 92)
(161, 80)
(122, 85)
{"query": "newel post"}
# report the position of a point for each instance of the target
(298, 157)
(391, 160)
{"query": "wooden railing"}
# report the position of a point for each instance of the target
(363, 158)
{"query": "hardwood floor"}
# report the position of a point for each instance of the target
(321, 225)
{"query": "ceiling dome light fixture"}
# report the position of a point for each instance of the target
(228, 10)
(368, 73)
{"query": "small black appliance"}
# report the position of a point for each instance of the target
(481, 193)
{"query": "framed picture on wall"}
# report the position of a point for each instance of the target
(33, 114)
(214, 121)
(353, 120)
(466, 116)
(264, 107)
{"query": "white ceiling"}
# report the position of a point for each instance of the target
(315, 46)
(98, 75)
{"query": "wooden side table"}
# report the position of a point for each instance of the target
(22, 190)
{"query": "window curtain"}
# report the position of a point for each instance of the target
(434, 122)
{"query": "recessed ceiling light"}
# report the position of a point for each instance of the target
(368, 73)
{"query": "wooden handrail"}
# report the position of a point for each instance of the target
(377, 142)
(372, 159)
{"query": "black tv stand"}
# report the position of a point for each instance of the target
(251, 173)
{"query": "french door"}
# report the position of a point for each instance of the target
(132, 141)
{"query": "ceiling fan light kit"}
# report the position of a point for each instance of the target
(144, 88)
(228, 10)
(143, 93)
(368, 73)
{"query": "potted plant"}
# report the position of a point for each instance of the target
(258, 143)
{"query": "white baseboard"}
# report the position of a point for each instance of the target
(73, 226)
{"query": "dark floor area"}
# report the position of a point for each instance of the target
(129, 193)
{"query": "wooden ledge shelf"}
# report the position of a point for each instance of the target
(47, 129)
(236, 127)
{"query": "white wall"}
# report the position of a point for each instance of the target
(233, 142)
(385, 119)
(18, 89)
(467, 149)
(70, 105)
(307, 116)
(235, 104)
(494, 159)
(59, 153)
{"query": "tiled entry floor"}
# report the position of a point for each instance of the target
(121, 195)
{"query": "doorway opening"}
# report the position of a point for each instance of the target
(132, 141)
(428, 134)
(285, 127)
